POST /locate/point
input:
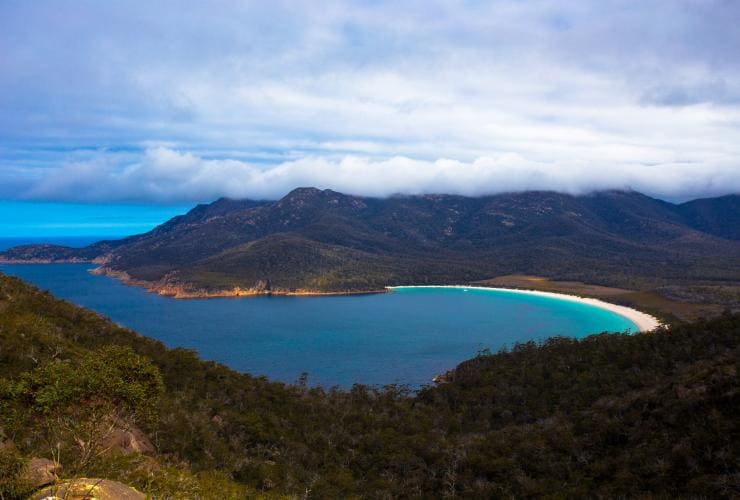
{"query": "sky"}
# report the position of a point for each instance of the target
(173, 102)
(77, 224)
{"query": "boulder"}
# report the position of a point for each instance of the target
(129, 440)
(42, 471)
(263, 286)
(89, 489)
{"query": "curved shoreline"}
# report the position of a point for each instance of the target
(643, 321)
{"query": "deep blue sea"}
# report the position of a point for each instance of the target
(406, 336)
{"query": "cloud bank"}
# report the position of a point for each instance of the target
(167, 175)
(181, 101)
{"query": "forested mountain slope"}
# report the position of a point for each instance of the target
(718, 216)
(611, 415)
(314, 240)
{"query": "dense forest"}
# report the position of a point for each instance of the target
(610, 415)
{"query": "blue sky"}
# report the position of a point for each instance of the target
(175, 102)
(23, 219)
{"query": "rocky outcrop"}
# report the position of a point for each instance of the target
(444, 377)
(89, 489)
(41, 472)
(129, 440)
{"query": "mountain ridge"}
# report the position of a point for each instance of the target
(324, 241)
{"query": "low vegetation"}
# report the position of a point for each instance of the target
(610, 415)
(670, 303)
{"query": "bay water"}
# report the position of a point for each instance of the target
(406, 336)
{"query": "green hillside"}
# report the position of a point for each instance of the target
(610, 415)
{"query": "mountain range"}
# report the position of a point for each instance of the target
(322, 241)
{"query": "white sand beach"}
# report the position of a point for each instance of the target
(643, 321)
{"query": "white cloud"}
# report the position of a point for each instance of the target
(162, 102)
(167, 175)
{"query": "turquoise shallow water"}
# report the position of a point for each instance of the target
(406, 336)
